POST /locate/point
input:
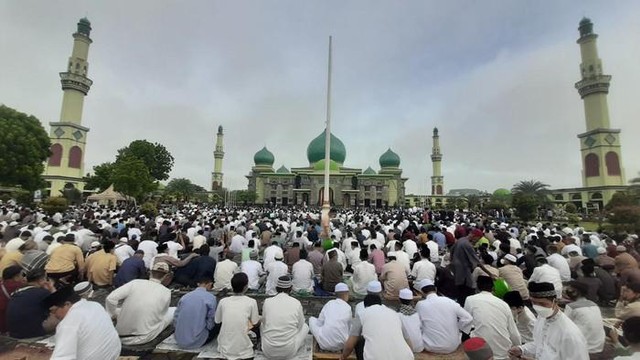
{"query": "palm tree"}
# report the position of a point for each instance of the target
(531, 187)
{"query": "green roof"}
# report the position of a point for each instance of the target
(283, 170)
(369, 171)
(389, 159)
(315, 150)
(333, 166)
(264, 157)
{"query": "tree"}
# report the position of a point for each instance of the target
(24, 147)
(101, 178)
(131, 177)
(155, 157)
(245, 197)
(535, 188)
(183, 188)
(526, 206)
(621, 199)
(625, 218)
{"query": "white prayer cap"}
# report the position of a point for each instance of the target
(391, 254)
(406, 294)
(602, 250)
(422, 283)
(95, 244)
(13, 223)
(47, 228)
(511, 258)
(374, 287)
(341, 287)
(124, 240)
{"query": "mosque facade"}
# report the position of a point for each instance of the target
(349, 187)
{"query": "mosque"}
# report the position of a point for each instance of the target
(600, 151)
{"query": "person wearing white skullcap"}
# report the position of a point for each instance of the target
(331, 328)
(373, 288)
(410, 320)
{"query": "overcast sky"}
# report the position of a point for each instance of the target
(496, 77)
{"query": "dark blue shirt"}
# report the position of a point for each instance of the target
(26, 312)
(198, 268)
(131, 269)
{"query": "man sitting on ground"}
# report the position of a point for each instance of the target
(237, 315)
(145, 310)
(85, 330)
(25, 314)
(410, 321)
(193, 319)
(283, 328)
(331, 328)
(131, 269)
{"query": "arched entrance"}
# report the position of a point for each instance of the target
(321, 196)
(346, 200)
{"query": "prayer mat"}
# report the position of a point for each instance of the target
(305, 352)
(169, 345)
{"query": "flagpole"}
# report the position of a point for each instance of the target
(326, 205)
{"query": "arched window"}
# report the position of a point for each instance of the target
(591, 165)
(56, 155)
(75, 157)
(439, 189)
(613, 163)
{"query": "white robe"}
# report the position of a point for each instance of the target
(557, 338)
(331, 328)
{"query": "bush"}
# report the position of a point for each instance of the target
(55, 204)
(625, 218)
(571, 208)
(149, 209)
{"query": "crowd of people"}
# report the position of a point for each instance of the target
(424, 281)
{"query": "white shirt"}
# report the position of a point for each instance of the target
(150, 251)
(86, 333)
(198, 241)
(525, 321)
(561, 264)
(174, 247)
(588, 318)
(223, 274)
(302, 272)
(134, 231)
(363, 273)
(14, 244)
(237, 243)
(424, 269)
(270, 254)
(123, 251)
(253, 269)
(411, 330)
(234, 312)
(556, 338)
(275, 270)
(403, 258)
(410, 247)
(331, 328)
(342, 258)
(282, 320)
(382, 330)
(146, 303)
(570, 248)
(433, 251)
(547, 273)
(493, 321)
(442, 320)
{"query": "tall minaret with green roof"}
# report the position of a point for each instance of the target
(65, 167)
(437, 180)
(218, 155)
(599, 145)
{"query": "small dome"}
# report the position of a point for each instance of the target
(264, 157)
(333, 166)
(315, 150)
(84, 20)
(283, 170)
(369, 171)
(389, 159)
(585, 27)
(502, 192)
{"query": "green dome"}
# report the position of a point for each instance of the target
(389, 159)
(315, 150)
(502, 192)
(369, 171)
(264, 157)
(85, 21)
(283, 170)
(333, 166)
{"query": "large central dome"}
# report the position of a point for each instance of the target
(315, 150)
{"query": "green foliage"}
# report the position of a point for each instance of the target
(534, 188)
(183, 189)
(570, 208)
(101, 178)
(621, 199)
(24, 147)
(55, 204)
(131, 177)
(625, 218)
(73, 195)
(149, 209)
(155, 156)
(526, 206)
(245, 197)
(23, 197)
(494, 204)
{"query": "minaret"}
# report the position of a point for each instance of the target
(437, 180)
(68, 137)
(599, 145)
(218, 155)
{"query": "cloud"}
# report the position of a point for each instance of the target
(496, 78)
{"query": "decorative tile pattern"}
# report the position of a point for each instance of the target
(590, 141)
(610, 139)
(59, 132)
